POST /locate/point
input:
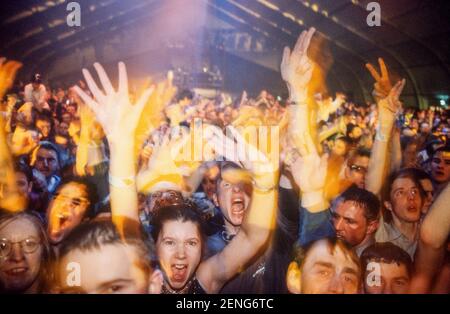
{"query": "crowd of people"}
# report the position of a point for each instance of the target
(102, 189)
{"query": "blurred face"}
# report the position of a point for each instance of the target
(406, 201)
(179, 249)
(233, 200)
(44, 127)
(109, 269)
(356, 170)
(26, 116)
(23, 184)
(63, 129)
(66, 118)
(324, 272)
(427, 186)
(440, 167)
(66, 210)
(410, 156)
(209, 181)
(356, 133)
(46, 162)
(339, 148)
(394, 279)
(349, 222)
(20, 255)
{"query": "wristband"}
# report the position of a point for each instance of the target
(122, 182)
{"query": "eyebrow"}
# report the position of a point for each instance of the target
(112, 282)
(323, 264)
(349, 270)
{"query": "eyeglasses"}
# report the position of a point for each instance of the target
(77, 201)
(359, 169)
(29, 245)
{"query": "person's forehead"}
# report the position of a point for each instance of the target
(180, 229)
(106, 263)
(44, 152)
(73, 189)
(321, 253)
(361, 160)
(18, 229)
(442, 155)
(350, 209)
(403, 183)
(393, 270)
(21, 176)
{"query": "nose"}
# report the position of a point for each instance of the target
(16, 253)
(237, 188)
(339, 222)
(335, 285)
(181, 254)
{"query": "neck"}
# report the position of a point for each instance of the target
(34, 288)
(368, 240)
(231, 230)
(408, 229)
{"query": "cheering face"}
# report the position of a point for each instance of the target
(406, 202)
(440, 167)
(326, 272)
(356, 171)
(233, 200)
(109, 269)
(46, 162)
(393, 279)
(66, 210)
(179, 249)
(349, 222)
(20, 255)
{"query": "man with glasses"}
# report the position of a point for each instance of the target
(356, 167)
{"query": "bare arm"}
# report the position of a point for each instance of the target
(255, 230)
(119, 120)
(432, 244)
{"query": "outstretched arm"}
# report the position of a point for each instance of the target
(119, 119)
(259, 220)
(388, 107)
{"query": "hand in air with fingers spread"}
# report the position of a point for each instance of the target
(112, 108)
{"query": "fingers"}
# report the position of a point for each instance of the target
(397, 89)
(384, 71)
(286, 55)
(307, 39)
(87, 100)
(123, 79)
(92, 86)
(143, 99)
(299, 44)
(373, 72)
(106, 83)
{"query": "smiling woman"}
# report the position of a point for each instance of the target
(24, 254)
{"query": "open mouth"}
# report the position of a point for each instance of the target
(238, 206)
(16, 271)
(412, 209)
(179, 272)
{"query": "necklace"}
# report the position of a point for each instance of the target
(166, 289)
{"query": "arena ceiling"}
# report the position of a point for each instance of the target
(413, 37)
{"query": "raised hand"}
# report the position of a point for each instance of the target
(388, 107)
(262, 166)
(297, 68)
(8, 72)
(309, 169)
(383, 84)
(112, 108)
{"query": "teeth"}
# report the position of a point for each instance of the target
(178, 266)
(18, 270)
